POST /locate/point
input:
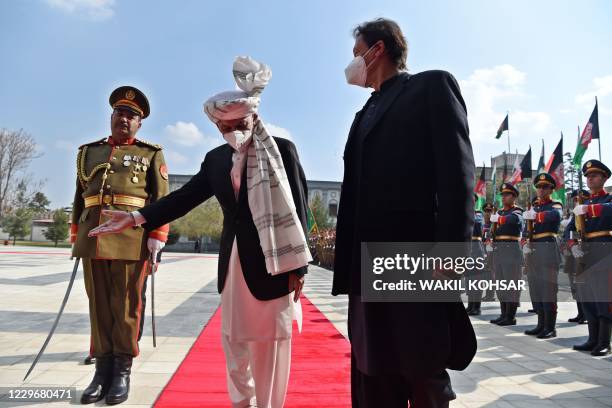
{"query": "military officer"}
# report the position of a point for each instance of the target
(508, 257)
(123, 173)
(544, 254)
(569, 265)
(595, 255)
(477, 250)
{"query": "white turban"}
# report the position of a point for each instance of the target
(251, 78)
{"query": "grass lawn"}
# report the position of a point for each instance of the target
(39, 244)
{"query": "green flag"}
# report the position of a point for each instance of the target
(312, 223)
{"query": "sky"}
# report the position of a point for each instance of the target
(543, 62)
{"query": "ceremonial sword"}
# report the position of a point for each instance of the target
(59, 314)
(153, 268)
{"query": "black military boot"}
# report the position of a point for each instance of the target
(489, 296)
(475, 309)
(502, 316)
(509, 320)
(592, 341)
(602, 347)
(536, 330)
(580, 319)
(550, 321)
(98, 387)
(120, 383)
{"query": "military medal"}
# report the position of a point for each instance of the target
(134, 179)
(126, 164)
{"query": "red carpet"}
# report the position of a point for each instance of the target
(320, 368)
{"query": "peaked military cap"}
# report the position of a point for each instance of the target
(509, 188)
(544, 179)
(595, 165)
(130, 98)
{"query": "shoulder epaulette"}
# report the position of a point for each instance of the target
(557, 204)
(516, 208)
(149, 144)
(97, 142)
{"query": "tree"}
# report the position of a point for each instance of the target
(319, 212)
(58, 231)
(17, 225)
(205, 219)
(17, 150)
(173, 235)
(39, 204)
(572, 175)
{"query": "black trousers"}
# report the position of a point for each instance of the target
(396, 390)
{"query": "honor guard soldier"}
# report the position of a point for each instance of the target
(477, 251)
(594, 254)
(544, 254)
(507, 254)
(569, 264)
(123, 173)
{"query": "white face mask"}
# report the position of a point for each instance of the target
(356, 71)
(238, 139)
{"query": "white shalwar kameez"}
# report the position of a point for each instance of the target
(256, 335)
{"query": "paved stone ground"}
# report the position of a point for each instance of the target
(510, 369)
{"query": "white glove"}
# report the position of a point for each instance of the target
(529, 214)
(580, 209)
(155, 245)
(577, 252)
(489, 248)
(564, 222)
(494, 217)
(527, 249)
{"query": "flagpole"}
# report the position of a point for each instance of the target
(508, 116)
(598, 136)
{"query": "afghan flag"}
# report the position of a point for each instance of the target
(312, 223)
(481, 190)
(554, 167)
(522, 170)
(541, 164)
(502, 128)
(590, 132)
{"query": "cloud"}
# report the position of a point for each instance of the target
(488, 92)
(278, 131)
(173, 158)
(183, 133)
(602, 89)
(93, 9)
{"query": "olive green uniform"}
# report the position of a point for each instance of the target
(126, 178)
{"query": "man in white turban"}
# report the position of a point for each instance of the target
(261, 187)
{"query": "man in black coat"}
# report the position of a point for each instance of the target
(261, 187)
(408, 177)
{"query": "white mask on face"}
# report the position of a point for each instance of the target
(238, 139)
(356, 71)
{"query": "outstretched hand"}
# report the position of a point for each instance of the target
(119, 220)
